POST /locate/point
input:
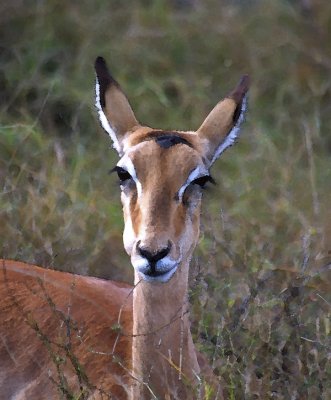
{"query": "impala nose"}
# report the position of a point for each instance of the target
(153, 256)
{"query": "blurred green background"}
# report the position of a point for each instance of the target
(260, 285)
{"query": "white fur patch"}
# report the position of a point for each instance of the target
(233, 134)
(129, 236)
(127, 164)
(104, 121)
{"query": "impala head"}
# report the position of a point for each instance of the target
(162, 174)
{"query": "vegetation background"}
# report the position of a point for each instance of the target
(260, 286)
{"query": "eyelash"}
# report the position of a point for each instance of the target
(122, 174)
(203, 180)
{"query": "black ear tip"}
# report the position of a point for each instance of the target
(101, 66)
(241, 89)
(245, 83)
(100, 61)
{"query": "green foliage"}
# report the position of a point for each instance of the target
(260, 283)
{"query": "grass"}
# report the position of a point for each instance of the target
(260, 287)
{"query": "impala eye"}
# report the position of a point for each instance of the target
(203, 180)
(122, 174)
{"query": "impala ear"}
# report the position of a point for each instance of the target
(115, 113)
(221, 127)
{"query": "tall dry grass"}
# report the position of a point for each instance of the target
(261, 275)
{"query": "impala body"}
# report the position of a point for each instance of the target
(63, 335)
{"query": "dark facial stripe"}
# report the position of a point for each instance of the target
(167, 139)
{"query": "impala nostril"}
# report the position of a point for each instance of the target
(151, 256)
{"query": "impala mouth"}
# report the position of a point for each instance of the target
(151, 274)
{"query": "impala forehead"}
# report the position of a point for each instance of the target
(151, 164)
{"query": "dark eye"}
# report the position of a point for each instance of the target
(202, 181)
(122, 174)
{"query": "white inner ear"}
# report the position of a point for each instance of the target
(104, 121)
(127, 164)
(233, 134)
(198, 171)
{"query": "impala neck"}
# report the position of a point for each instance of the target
(163, 354)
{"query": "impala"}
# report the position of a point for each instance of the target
(74, 337)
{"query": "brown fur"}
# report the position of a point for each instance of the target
(46, 316)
